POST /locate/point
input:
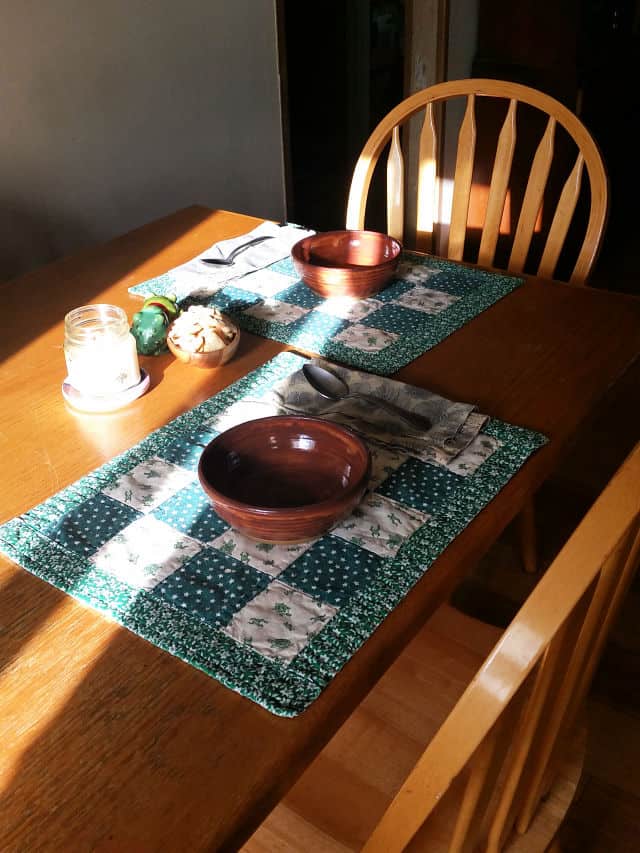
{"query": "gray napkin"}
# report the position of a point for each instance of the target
(455, 425)
(195, 278)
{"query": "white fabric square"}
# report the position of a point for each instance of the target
(348, 307)
(380, 525)
(364, 338)
(241, 412)
(264, 556)
(416, 272)
(145, 553)
(384, 461)
(472, 457)
(274, 311)
(265, 282)
(149, 484)
(279, 622)
(425, 299)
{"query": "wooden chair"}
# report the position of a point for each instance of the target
(429, 175)
(505, 760)
(536, 194)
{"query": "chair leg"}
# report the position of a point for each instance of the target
(527, 523)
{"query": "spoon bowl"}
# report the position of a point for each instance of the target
(333, 387)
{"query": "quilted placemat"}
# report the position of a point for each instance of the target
(137, 540)
(428, 300)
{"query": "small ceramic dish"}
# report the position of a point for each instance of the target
(208, 358)
(285, 479)
(346, 263)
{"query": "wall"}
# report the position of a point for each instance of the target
(116, 112)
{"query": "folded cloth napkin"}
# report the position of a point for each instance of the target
(455, 425)
(195, 278)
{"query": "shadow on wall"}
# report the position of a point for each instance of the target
(29, 240)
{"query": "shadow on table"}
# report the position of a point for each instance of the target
(93, 269)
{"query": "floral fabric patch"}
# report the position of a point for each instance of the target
(145, 553)
(426, 299)
(348, 307)
(279, 622)
(380, 525)
(364, 338)
(472, 457)
(276, 312)
(265, 556)
(149, 484)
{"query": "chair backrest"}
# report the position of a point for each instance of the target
(533, 199)
(502, 742)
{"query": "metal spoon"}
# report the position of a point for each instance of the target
(226, 262)
(333, 387)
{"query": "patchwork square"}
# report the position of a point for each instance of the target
(265, 283)
(300, 294)
(380, 525)
(190, 512)
(416, 273)
(149, 484)
(384, 461)
(145, 553)
(230, 300)
(213, 586)
(241, 412)
(279, 622)
(349, 307)
(481, 448)
(426, 488)
(394, 319)
(333, 570)
(90, 525)
(265, 556)
(274, 311)
(186, 450)
(425, 299)
(365, 338)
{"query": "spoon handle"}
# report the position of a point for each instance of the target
(234, 254)
(410, 417)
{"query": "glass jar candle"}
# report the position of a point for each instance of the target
(100, 351)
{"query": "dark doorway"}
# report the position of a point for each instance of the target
(344, 69)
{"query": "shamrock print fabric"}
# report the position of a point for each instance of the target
(428, 299)
(138, 541)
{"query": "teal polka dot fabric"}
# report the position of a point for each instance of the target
(428, 488)
(325, 330)
(138, 541)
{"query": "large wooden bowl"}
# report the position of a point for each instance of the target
(346, 263)
(285, 479)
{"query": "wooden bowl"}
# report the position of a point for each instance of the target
(214, 358)
(285, 479)
(346, 263)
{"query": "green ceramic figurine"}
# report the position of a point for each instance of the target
(150, 324)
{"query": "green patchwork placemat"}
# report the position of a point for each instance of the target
(138, 540)
(427, 301)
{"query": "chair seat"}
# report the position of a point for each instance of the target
(338, 801)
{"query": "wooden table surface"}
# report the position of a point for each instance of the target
(109, 743)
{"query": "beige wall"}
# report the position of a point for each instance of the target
(115, 112)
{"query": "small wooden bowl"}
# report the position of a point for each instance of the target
(285, 479)
(346, 263)
(214, 358)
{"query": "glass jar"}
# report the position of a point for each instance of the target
(100, 351)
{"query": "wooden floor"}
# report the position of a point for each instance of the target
(605, 817)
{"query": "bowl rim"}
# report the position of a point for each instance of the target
(296, 249)
(316, 508)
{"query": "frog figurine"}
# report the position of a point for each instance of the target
(150, 324)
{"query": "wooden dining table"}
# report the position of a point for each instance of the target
(109, 743)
